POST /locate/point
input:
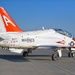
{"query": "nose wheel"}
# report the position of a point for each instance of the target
(70, 54)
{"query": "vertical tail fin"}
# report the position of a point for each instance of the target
(7, 23)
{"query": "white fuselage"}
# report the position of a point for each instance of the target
(33, 39)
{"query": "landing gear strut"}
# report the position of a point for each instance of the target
(71, 52)
(25, 53)
(58, 53)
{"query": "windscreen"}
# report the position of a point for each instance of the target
(63, 32)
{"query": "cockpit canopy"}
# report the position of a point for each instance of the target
(63, 32)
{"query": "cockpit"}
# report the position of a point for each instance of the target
(63, 32)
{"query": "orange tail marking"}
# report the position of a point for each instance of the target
(9, 23)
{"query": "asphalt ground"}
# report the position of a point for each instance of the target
(37, 63)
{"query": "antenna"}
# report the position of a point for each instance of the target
(43, 28)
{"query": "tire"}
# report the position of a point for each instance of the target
(70, 54)
(25, 54)
(6, 48)
(55, 56)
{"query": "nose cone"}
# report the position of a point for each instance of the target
(73, 39)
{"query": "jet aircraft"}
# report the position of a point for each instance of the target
(14, 39)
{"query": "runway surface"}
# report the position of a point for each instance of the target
(37, 63)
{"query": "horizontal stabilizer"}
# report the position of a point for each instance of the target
(16, 50)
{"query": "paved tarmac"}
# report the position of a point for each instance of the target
(37, 63)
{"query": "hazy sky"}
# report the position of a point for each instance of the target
(34, 14)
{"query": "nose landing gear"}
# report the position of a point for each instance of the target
(70, 54)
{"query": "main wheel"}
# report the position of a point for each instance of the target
(25, 53)
(70, 54)
(55, 56)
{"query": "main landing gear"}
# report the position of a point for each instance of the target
(55, 56)
(25, 53)
(58, 53)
